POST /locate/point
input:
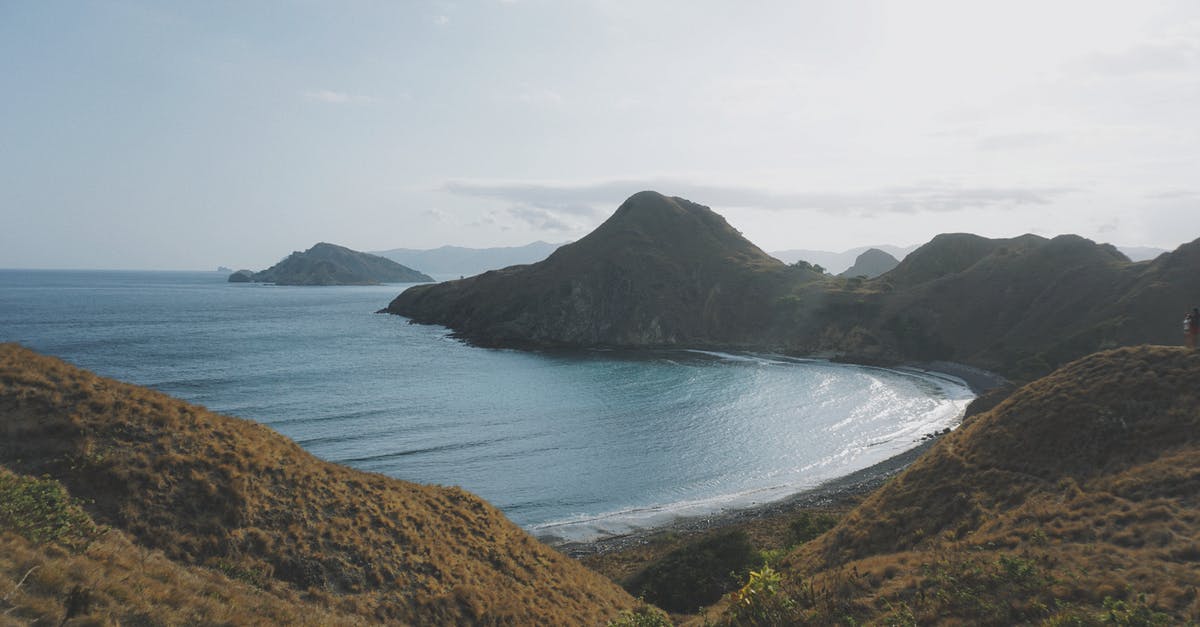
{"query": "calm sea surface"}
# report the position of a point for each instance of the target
(572, 444)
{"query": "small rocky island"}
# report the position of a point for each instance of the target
(330, 264)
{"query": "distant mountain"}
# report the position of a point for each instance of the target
(1141, 253)
(329, 264)
(661, 271)
(666, 271)
(872, 263)
(833, 262)
(456, 261)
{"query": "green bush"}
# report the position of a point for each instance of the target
(696, 574)
(808, 525)
(42, 511)
(642, 616)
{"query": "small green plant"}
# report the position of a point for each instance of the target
(1137, 613)
(42, 511)
(808, 525)
(760, 602)
(644, 615)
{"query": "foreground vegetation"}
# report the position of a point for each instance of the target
(238, 501)
(1075, 501)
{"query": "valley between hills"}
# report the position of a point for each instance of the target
(1069, 498)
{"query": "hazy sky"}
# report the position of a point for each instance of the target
(151, 134)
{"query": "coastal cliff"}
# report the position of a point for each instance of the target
(330, 264)
(213, 495)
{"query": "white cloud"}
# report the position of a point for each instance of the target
(594, 198)
(441, 20)
(338, 97)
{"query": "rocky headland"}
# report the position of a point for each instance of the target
(664, 271)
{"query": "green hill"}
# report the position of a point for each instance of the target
(668, 272)
(233, 497)
(329, 264)
(660, 272)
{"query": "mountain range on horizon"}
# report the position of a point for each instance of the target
(448, 262)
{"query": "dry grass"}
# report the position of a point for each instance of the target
(239, 498)
(1075, 501)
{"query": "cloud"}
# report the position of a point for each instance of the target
(441, 20)
(541, 219)
(590, 199)
(1166, 57)
(338, 97)
(1016, 141)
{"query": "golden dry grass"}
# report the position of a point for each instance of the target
(1075, 501)
(234, 496)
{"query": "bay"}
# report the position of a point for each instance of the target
(569, 444)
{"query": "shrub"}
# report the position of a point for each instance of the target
(643, 615)
(696, 574)
(41, 511)
(808, 525)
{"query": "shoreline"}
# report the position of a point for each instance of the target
(845, 490)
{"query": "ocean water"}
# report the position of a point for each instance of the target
(571, 445)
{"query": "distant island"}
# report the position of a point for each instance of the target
(330, 264)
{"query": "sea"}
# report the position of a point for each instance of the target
(571, 445)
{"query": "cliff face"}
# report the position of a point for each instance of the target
(661, 271)
(1079, 490)
(329, 264)
(229, 494)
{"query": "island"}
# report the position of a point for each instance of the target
(330, 264)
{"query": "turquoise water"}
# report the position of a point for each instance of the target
(568, 444)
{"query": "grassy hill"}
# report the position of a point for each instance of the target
(1074, 502)
(660, 272)
(208, 494)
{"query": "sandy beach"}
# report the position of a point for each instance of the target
(835, 493)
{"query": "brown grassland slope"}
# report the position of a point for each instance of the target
(232, 495)
(57, 565)
(1075, 501)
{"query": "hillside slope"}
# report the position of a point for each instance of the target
(210, 490)
(661, 271)
(1076, 498)
(330, 264)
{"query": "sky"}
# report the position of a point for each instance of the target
(185, 135)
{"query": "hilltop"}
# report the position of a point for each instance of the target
(207, 497)
(660, 271)
(330, 264)
(870, 264)
(1074, 501)
(665, 271)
